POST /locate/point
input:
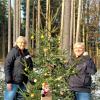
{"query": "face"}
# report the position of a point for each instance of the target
(78, 50)
(21, 43)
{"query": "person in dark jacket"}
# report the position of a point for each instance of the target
(80, 83)
(14, 69)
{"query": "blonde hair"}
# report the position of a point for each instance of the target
(19, 39)
(79, 44)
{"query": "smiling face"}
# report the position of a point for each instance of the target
(78, 49)
(21, 42)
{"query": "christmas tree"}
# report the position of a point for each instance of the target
(51, 70)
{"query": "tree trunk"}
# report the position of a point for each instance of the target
(74, 24)
(48, 20)
(3, 32)
(33, 25)
(71, 26)
(62, 23)
(9, 25)
(27, 21)
(19, 11)
(17, 18)
(87, 28)
(38, 28)
(66, 26)
(78, 21)
(83, 21)
(14, 23)
(99, 17)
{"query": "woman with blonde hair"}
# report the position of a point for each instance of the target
(15, 77)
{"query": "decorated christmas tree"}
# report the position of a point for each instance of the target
(50, 72)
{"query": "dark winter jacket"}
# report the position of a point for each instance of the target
(15, 65)
(82, 80)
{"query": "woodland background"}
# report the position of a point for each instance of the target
(67, 20)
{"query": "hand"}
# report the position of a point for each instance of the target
(9, 86)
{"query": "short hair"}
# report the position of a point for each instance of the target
(80, 44)
(20, 38)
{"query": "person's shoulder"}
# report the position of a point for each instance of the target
(86, 56)
(13, 51)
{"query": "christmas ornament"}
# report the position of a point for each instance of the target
(45, 89)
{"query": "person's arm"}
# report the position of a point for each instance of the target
(8, 68)
(30, 64)
(29, 60)
(91, 67)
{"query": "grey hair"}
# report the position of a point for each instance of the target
(80, 44)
